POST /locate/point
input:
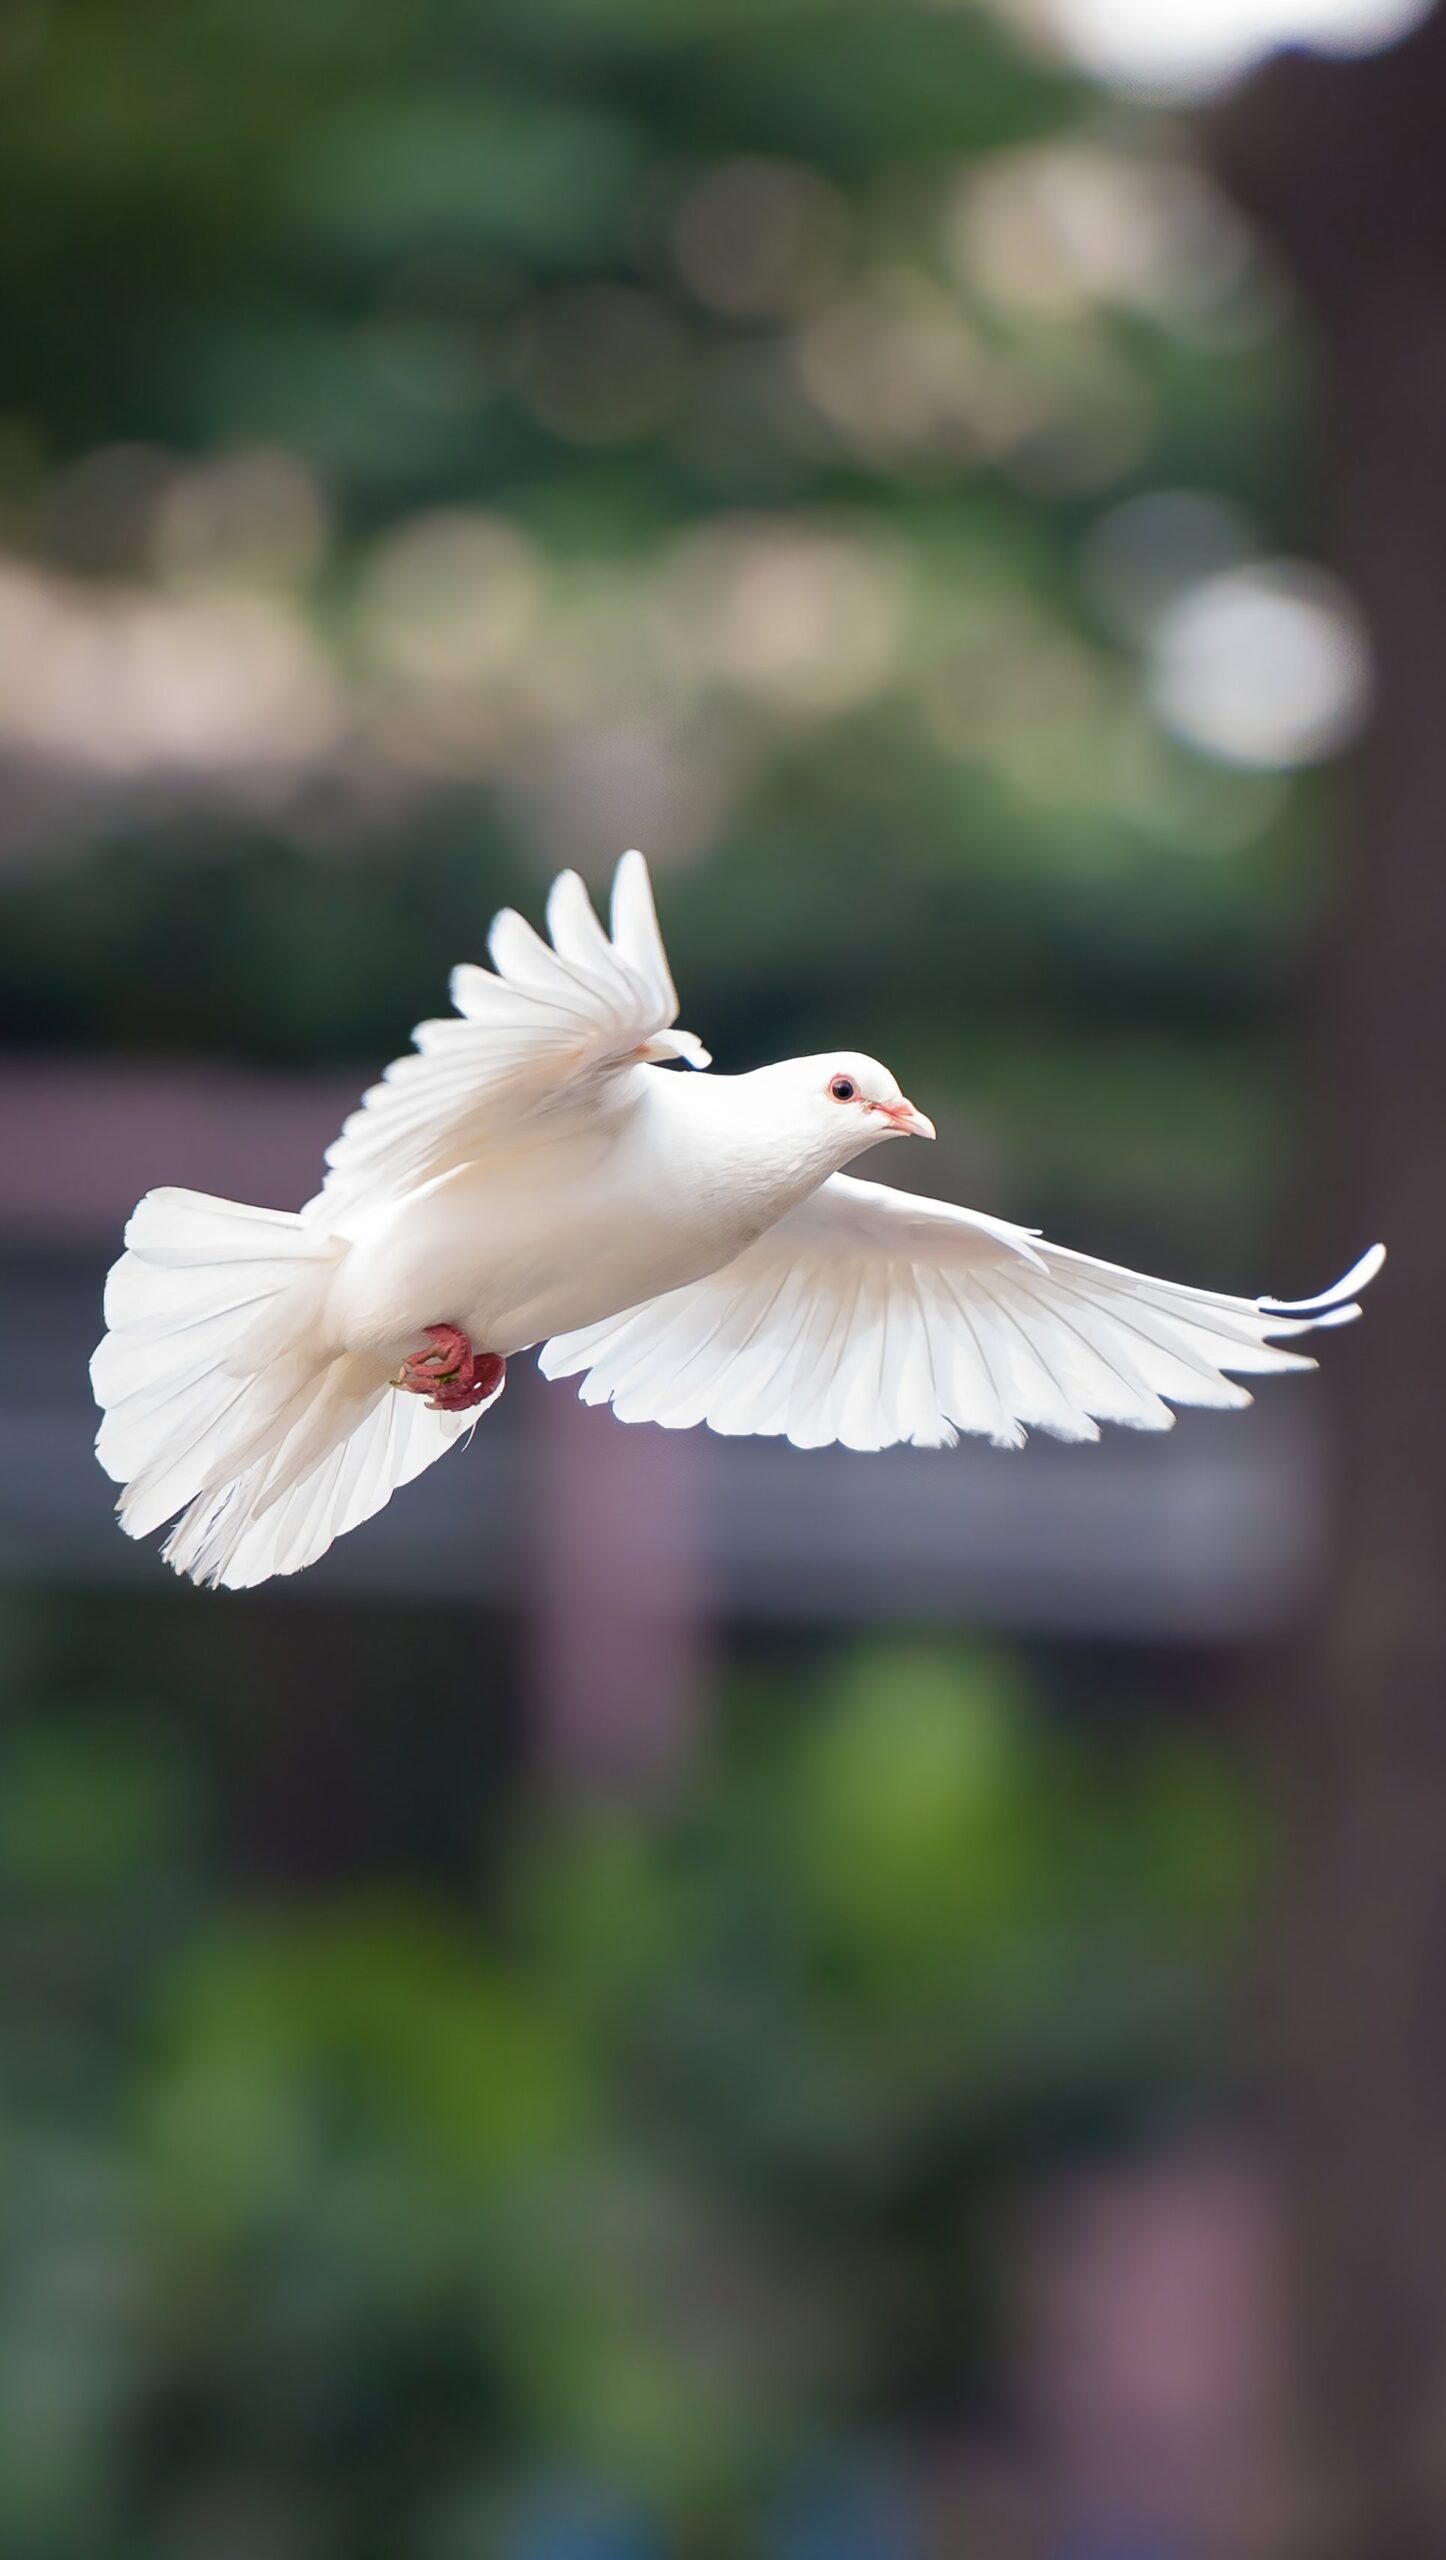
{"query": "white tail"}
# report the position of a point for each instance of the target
(223, 1401)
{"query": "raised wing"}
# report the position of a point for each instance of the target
(868, 1316)
(542, 1028)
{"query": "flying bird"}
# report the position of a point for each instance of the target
(533, 1173)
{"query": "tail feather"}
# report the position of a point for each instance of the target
(244, 1533)
(224, 1400)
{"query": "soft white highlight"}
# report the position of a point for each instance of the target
(1187, 48)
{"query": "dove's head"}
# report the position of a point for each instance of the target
(840, 1103)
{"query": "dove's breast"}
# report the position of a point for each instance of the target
(562, 1229)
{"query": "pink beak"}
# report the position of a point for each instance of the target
(906, 1120)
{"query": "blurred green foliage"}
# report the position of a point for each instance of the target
(610, 419)
(679, 2148)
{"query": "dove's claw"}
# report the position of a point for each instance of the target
(449, 1373)
(448, 1357)
(460, 1394)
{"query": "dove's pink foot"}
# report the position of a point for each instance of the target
(450, 1374)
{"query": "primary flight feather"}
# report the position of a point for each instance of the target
(530, 1173)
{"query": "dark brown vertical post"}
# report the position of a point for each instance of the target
(1345, 165)
(621, 1621)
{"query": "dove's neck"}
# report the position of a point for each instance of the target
(728, 1141)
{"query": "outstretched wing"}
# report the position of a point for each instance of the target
(868, 1316)
(542, 1028)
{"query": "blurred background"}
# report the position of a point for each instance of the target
(673, 2000)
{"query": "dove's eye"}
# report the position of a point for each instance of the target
(844, 1089)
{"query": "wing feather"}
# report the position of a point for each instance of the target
(543, 1029)
(870, 1317)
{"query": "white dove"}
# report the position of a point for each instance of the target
(531, 1174)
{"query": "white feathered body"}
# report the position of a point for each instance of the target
(568, 1221)
(533, 1172)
